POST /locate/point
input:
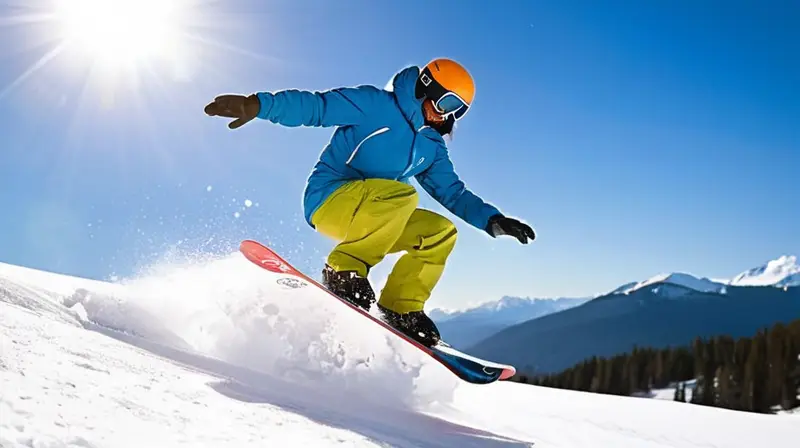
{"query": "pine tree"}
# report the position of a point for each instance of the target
(755, 378)
(608, 377)
(749, 373)
(704, 372)
(791, 382)
(776, 340)
(722, 395)
(660, 370)
(680, 392)
(709, 373)
(622, 367)
(599, 380)
(631, 370)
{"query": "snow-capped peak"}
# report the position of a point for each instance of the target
(783, 271)
(675, 278)
(506, 302)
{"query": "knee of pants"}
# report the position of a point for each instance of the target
(449, 236)
(441, 234)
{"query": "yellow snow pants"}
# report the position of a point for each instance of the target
(375, 217)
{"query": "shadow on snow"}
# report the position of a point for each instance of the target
(382, 424)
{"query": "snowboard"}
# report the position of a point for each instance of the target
(466, 367)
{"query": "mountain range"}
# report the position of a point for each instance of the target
(781, 272)
(667, 309)
(466, 327)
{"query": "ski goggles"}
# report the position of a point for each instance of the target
(445, 101)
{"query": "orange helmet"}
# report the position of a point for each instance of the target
(449, 85)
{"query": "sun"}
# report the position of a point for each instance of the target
(115, 53)
(117, 33)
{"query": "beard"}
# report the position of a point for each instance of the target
(443, 126)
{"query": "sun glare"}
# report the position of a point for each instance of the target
(119, 52)
(120, 32)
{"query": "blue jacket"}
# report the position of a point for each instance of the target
(380, 134)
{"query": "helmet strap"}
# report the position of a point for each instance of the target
(419, 89)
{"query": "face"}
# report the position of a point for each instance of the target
(431, 114)
(436, 120)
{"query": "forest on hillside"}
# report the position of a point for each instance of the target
(755, 374)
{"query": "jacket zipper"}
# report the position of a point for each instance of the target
(412, 155)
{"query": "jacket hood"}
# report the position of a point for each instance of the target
(403, 85)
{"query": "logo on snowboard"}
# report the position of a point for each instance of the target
(275, 264)
(293, 283)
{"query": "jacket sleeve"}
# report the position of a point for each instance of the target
(444, 185)
(336, 107)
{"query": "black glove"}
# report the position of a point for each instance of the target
(243, 108)
(501, 225)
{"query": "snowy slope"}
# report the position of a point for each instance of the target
(215, 353)
(783, 271)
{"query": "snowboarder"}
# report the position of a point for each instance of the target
(359, 192)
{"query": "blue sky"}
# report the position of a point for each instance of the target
(636, 137)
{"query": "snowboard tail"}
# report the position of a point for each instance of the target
(468, 368)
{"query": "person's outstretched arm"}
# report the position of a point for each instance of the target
(291, 107)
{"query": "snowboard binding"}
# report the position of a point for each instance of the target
(416, 325)
(349, 286)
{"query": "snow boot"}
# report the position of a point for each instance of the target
(416, 325)
(349, 286)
